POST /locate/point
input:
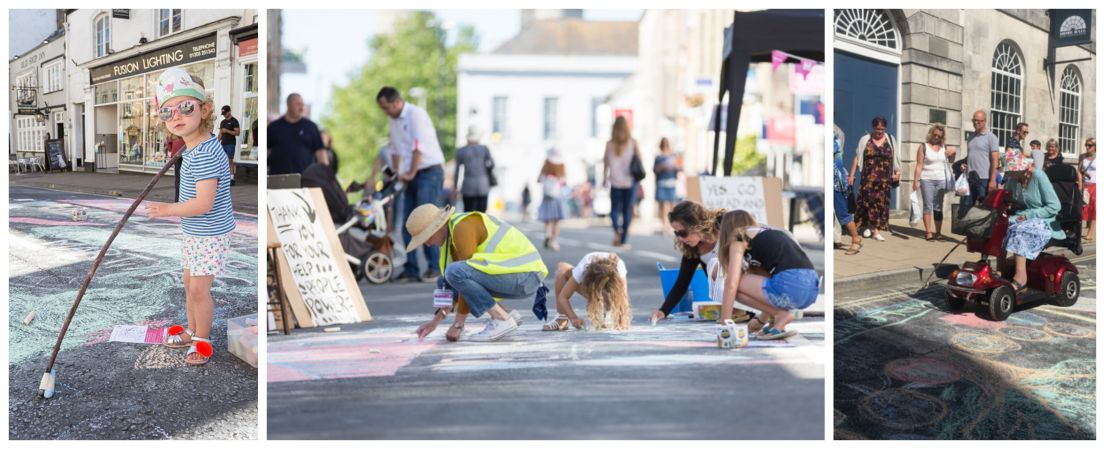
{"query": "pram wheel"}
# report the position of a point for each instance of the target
(1069, 288)
(1002, 300)
(376, 267)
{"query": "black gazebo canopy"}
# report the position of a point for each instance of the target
(799, 32)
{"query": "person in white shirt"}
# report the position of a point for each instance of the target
(412, 137)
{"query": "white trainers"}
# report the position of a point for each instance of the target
(517, 317)
(866, 233)
(495, 330)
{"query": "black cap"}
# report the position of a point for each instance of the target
(226, 109)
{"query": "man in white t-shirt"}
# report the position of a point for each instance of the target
(412, 137)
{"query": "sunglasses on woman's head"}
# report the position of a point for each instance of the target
(186, 109)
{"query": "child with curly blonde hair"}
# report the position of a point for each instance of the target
(601, 279)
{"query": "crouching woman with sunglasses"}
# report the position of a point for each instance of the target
(696, 230)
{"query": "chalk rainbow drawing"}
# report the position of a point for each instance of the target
(904, 369)
(139, 280)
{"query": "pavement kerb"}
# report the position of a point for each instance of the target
(911, 276)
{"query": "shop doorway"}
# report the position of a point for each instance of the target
(863, 89)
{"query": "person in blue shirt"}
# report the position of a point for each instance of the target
(207, 216)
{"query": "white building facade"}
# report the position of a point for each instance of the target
(114, 59)
(528, 99)
(38, 97)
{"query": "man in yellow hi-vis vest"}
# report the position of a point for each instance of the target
(482, 259)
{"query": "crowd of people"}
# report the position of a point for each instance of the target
(480, 259)
(862, 206)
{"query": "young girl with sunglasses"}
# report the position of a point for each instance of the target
(207, 217)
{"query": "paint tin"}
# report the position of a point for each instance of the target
(443, 298)
(731, 335)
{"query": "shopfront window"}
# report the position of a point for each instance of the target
(248, 120)
(107, 92)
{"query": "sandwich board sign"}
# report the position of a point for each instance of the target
(316, 277)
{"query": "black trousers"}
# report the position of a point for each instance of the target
(475, 203)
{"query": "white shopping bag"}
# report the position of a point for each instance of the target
(962, 188)
(914, 208)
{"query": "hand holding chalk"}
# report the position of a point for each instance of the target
(426, 329)
(656, 317)
(156, 210)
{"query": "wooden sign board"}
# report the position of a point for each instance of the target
(317, 279)
(761, 196)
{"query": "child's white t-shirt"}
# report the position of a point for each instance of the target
(581, 267)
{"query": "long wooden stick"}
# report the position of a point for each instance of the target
(100, 257)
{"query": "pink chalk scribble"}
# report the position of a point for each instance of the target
(342, 357)
(972, 320)
(40, 221)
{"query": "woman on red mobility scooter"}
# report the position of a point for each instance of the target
(1024, 218)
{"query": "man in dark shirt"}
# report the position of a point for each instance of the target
(294, 141)
(229, 129)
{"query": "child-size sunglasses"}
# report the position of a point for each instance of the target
(186, 109)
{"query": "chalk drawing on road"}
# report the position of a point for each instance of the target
(923, 370)
(138, 281)
(983, 343)
(1069, 330)
(1026, 334)
(903, 409)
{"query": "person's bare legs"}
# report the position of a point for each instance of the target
(563, 273)
(555, 236)
(928, 225)
(188, 308)
(854, 232)
(202, 308)
(1021, 273)
(750, 292)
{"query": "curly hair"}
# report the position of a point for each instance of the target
(607, 293)
(734, 228)
(695, 218)
(932, 129)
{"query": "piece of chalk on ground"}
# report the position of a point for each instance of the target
(332, 329)
(30, 316)
(373, 351)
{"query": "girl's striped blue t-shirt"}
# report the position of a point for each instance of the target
(207, 161)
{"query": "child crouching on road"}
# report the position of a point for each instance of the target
(207, 216)
(791, 282)
(601, 279)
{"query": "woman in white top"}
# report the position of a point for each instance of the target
(933, 177)
(1087, 168)
(619, 154)
(601, 279)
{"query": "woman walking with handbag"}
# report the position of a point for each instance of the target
(877, 157)
(551, 210)
(620, 152)
(933, 178)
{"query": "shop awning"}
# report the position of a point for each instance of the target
(243, 33)
(754, 35)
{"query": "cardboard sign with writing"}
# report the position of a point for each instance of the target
(760, 196)
(325, 292)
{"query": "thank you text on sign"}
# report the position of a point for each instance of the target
(313, 262)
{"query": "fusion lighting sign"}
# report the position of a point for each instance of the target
(184, 53)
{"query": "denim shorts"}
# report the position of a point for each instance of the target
(792, 289)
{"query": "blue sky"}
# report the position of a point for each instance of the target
(336, 42)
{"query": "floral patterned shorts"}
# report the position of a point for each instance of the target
(206, 255)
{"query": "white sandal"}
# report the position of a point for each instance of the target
(175, 339)
(203, 347)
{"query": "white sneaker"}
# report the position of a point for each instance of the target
(880, 238)
(495, 330)
(517, 317)
(866, 233)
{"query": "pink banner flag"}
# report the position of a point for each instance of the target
(804, 67)
(777, 58)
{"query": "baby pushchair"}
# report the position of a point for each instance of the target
(986, 227)
(363, 229)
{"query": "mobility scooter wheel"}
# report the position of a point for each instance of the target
(376, 267)
(955, 303)
(1002, 300)
(1069, 289)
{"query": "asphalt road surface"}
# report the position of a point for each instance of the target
(375, 380)
(906, 367)
(112, 390)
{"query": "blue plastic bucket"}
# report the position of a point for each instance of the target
(698, 291)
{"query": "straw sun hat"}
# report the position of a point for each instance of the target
(424, 221)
